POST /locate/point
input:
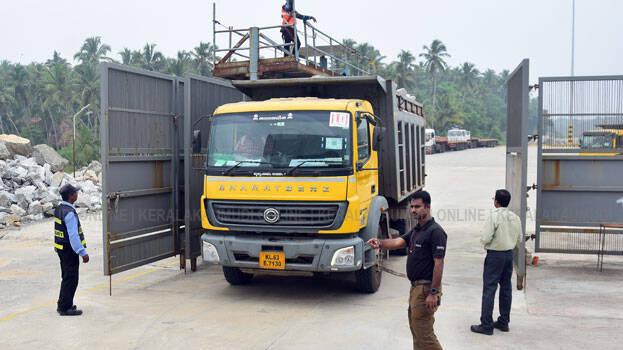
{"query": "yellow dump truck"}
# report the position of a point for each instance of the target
(301, 176)
(602, 139)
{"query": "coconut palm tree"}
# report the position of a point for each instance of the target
(19, 78)
(60, 96)
(93, 51)
(468, 74)
(434, 63)
(37, 94)
(177, 66)
(56, 59)
(126, 56)
(7, 103)
(203, 57)
(87, 82)
(448, 115)
(403, 70)
(152, 59)
(373, 56)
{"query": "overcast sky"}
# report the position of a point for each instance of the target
(493, 34)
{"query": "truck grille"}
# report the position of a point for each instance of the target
(297, 215)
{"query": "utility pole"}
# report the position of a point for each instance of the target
(74, 146)
(572, 37)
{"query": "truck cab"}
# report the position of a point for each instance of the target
(430, 141)
(458, 139)
(602, 139)
(458, 135)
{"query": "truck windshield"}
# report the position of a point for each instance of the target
(454, 133)
(280, 140)
(597, 141)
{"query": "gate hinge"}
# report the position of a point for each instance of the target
(533, 187)
(114, 196)
(175, 117)
(535, 86)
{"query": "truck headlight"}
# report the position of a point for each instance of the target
(210, 254)
(344, 257)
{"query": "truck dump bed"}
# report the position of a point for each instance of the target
(403, 143)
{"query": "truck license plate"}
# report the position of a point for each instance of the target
(273, 260)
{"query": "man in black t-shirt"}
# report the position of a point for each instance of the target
(426, 244)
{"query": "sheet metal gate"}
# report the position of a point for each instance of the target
(150, 194)
(579, 189)
(517, 92)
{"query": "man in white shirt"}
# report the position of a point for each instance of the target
(501, 233)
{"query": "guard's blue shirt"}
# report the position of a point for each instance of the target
(71, 221)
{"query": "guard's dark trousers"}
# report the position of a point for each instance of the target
(498, 270)
(287, 34)
(70, 264)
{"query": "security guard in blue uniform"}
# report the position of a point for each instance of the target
(69, 244)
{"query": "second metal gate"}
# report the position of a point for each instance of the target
(580, 166)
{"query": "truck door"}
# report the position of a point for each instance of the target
(366, 184)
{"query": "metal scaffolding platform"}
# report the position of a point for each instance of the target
(269, 68)
(266, 58)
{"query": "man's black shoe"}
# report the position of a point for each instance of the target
(500, 326)
(478, 328)
(73, 307)
(71, 312)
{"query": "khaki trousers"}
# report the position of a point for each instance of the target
(421, 319)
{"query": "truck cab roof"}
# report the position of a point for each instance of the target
(294, 103)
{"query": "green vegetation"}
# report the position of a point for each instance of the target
(39, 100)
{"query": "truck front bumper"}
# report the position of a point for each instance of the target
(301, 253)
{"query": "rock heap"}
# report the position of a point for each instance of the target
(29, 186)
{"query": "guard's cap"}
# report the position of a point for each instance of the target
(68, 190)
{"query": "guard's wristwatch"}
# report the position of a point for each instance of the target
(434, 291)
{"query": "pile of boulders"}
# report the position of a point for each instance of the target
(30, 178)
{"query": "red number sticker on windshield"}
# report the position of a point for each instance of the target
(339, 119)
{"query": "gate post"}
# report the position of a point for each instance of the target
(254, 52)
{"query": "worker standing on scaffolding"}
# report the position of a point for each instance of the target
(287, 33)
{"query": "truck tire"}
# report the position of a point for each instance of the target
(369, 280)
(235, 277)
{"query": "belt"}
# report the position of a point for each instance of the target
(419, 282)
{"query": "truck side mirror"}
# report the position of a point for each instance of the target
(370, 119)
(367, 116)
(197, 141)
(377, 136)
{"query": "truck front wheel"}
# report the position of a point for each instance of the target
(235, 277)
(369, 280)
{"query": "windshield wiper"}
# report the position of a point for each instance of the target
(291, 170)
(229, 170)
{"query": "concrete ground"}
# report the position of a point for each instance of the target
(566, 304)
